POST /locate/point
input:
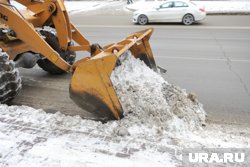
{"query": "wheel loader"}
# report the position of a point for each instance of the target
(43, 34)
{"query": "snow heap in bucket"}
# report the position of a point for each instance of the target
(149, 100)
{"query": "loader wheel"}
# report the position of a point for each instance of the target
(10, 81)
(51, 38)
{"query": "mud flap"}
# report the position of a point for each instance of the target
(91, 87)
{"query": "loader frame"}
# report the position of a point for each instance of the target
(39, 14)
(90, 87)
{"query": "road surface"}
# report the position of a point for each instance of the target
(211, 59)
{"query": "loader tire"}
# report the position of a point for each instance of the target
(10, 81)
(51, 38)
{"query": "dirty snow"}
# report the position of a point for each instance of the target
(32, 137)
(85, 6)
(160, 119)
(75, 6)
(150, 100)
(210, 6)
(225, 6)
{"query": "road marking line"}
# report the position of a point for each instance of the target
(207, 59)
(165, 27)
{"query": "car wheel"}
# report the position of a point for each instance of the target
(188, 19)
(142, 19)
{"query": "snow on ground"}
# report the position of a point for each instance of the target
(210, 6)
(225, 6)
(160, 120)
(76, 6)
(85, 6)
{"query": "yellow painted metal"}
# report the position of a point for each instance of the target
(91, 87)
(84, 44)
(62, 25)
(28, 34)
(20, 47)
(51, 12)
(38, 12)
(92, 90)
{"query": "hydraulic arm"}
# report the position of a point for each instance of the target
(90, 86)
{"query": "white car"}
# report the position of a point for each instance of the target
(170, 11)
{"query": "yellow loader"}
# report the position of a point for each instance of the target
(42, 34)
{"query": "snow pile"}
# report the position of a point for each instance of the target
(148, 100)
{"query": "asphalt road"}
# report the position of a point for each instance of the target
(211, 59)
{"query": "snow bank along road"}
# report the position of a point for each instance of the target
(212, 7)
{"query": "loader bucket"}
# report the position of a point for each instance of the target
(91, 87)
